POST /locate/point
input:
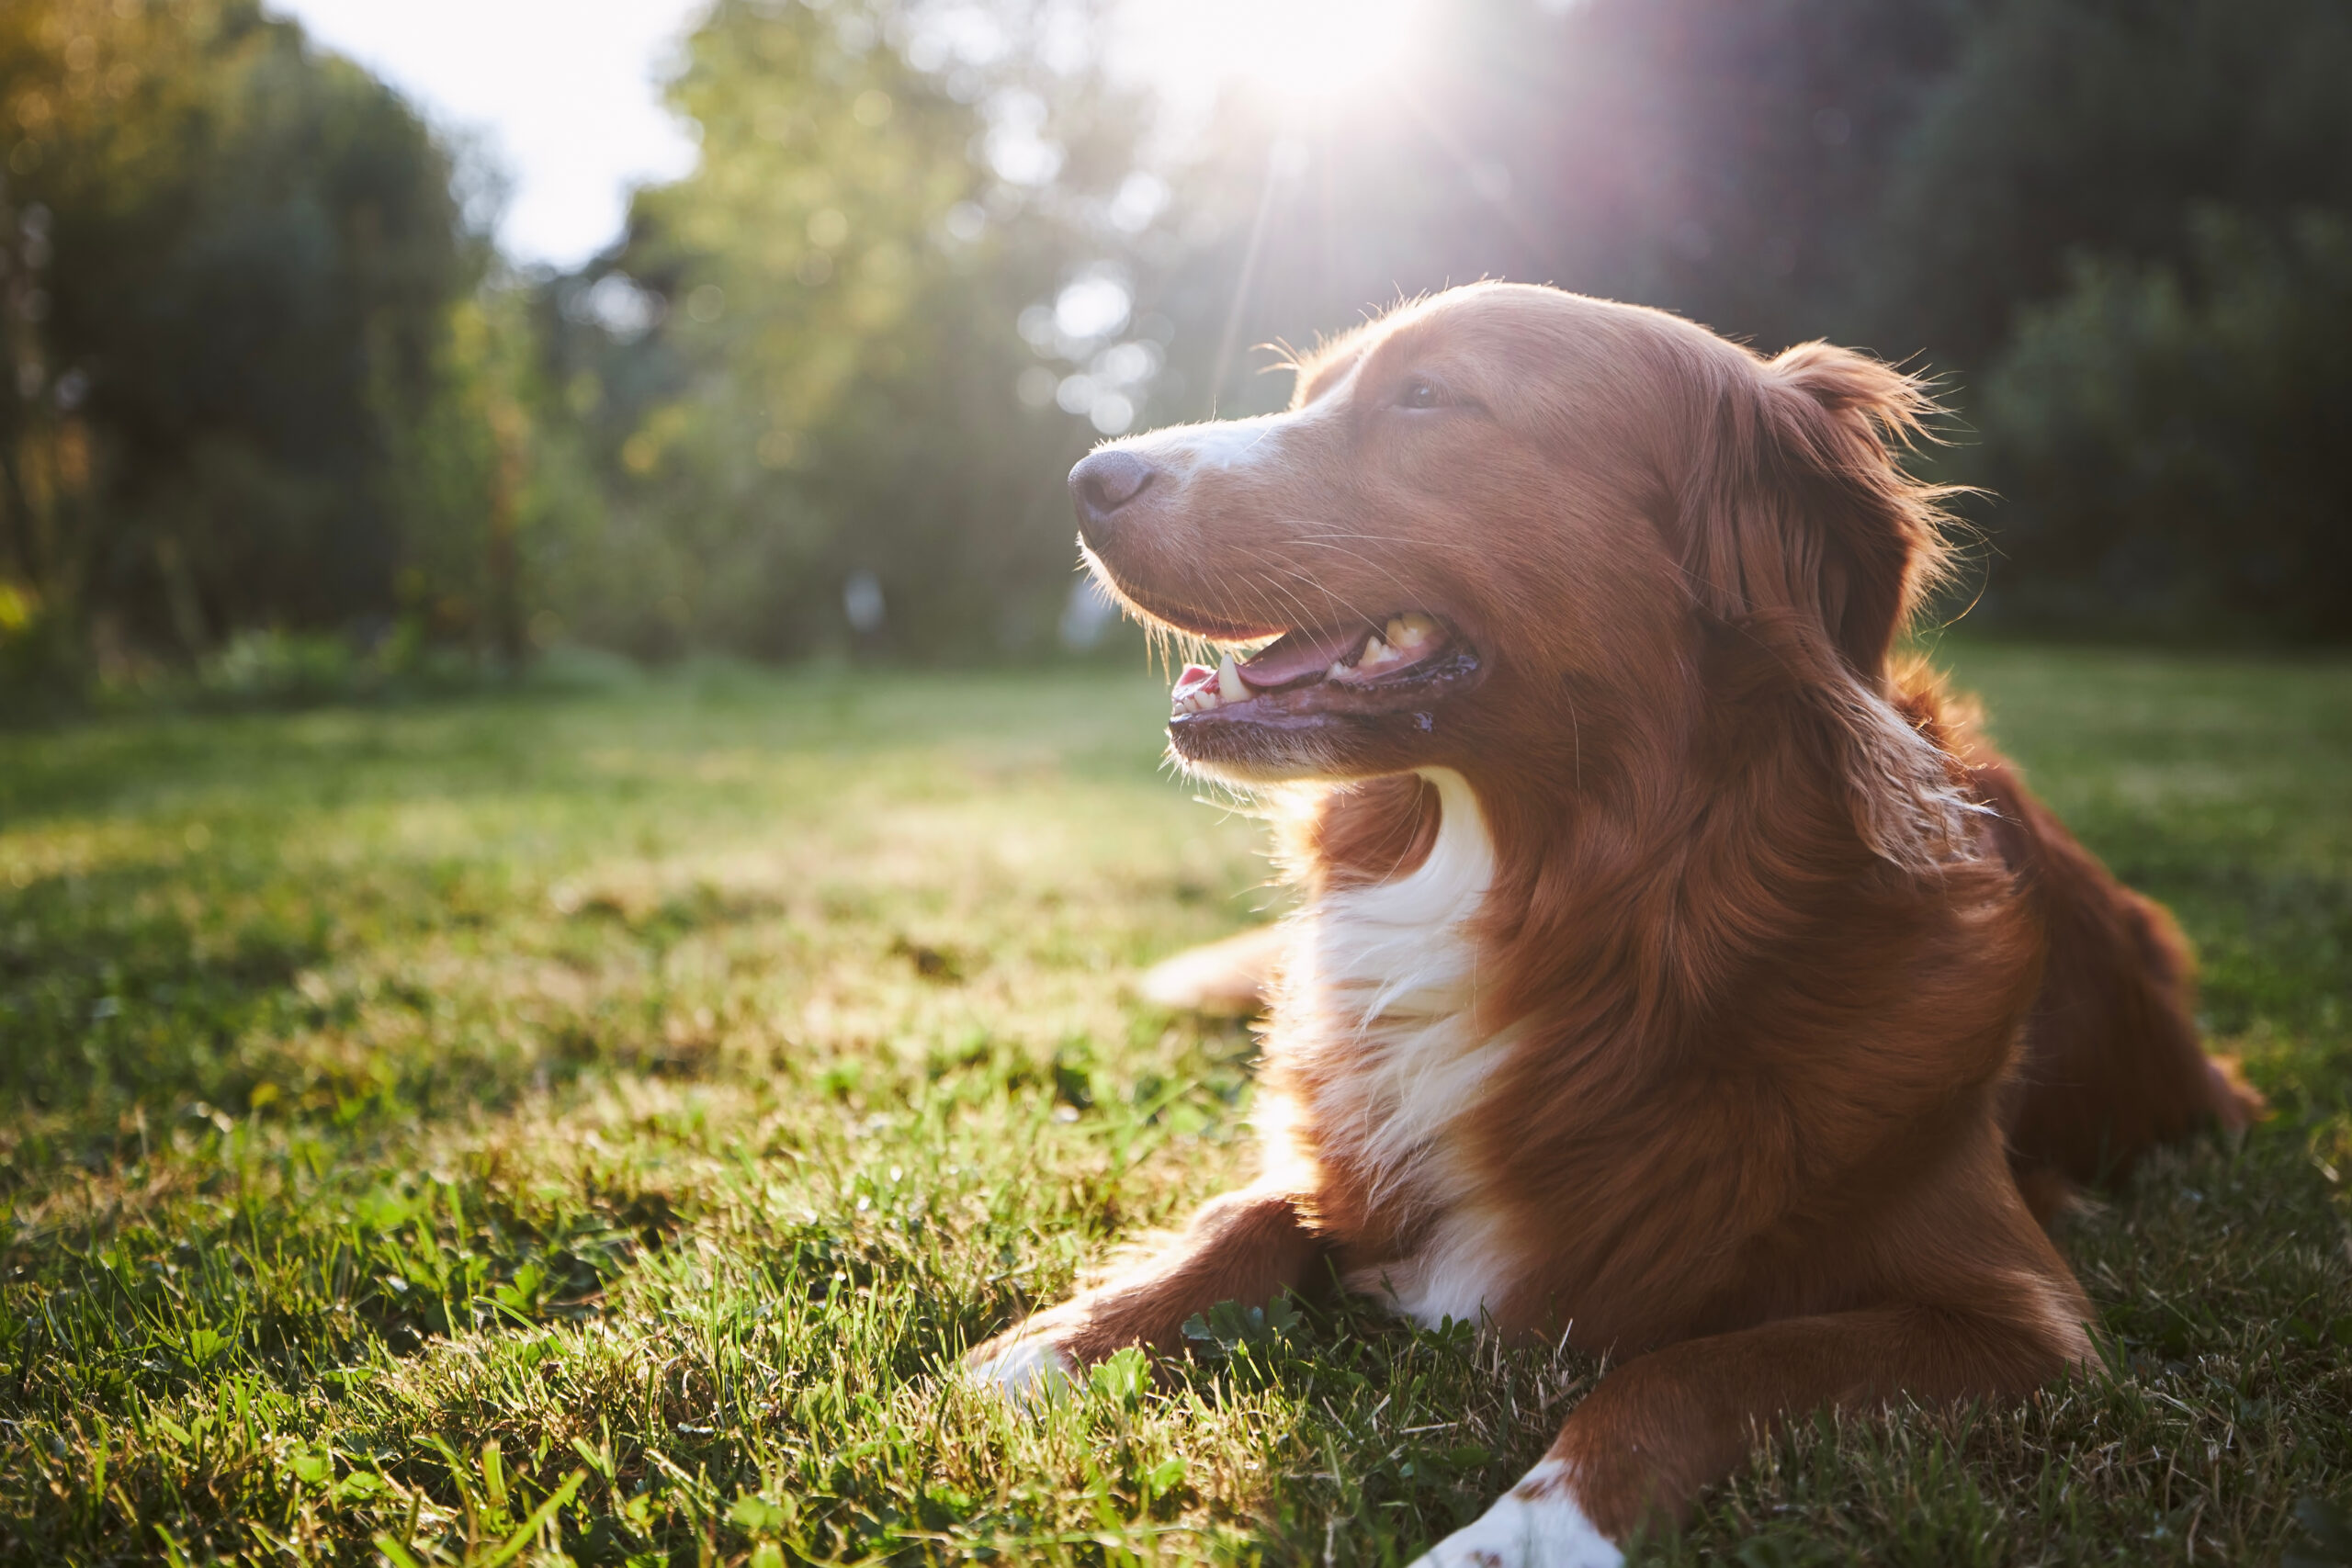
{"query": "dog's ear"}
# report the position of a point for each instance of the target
(1799, 506)
(1802, 533)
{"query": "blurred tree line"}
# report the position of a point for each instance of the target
(227, 268)
(263, 378)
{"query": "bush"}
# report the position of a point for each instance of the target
(2164, 442)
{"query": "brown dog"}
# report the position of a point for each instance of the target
(1671, 965)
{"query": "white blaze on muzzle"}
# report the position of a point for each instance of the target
(1228, 446)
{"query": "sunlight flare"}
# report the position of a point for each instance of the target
(1310, 52)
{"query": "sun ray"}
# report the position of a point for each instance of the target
(1306, 54)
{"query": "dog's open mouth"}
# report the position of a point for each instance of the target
(1401, 664)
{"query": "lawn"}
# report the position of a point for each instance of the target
(582, 1124)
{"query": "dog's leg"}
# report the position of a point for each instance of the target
(1225, 979)
(1245, 1246)
(1661, 1427)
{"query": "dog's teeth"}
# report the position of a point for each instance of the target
(1399, 632)
(1410, 631)
(1229, 684)
(1339, 670)
(1375, 653)
(1197, 683)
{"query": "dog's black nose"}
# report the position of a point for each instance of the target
(1104, 483)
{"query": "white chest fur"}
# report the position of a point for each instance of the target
(1378, 1010)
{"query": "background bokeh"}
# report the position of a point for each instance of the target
(575, 862)
(276, 410)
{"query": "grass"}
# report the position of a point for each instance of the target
(519, 1129)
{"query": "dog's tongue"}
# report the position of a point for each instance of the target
(1300, 656)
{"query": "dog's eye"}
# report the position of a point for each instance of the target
(1420, 393)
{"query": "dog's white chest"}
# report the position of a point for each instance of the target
(1381, 991)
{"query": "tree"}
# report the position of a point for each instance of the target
(2166, 437)
(2072, 128)
(251, 253)
(821, 376)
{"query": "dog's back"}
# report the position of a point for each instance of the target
(2111, 1067)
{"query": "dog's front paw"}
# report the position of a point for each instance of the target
(1536, 1525)
(1025, 1369)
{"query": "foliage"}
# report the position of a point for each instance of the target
(2072, 128)
(2165, 437)
(265, 375)
(826, 386)
(473, 478)
(231, 266)
(532, 1124)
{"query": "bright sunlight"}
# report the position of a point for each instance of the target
(1311, 53)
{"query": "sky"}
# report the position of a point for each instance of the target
(565, 94)
(563, 90)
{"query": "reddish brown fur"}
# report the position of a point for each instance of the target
(1245, 1246)
(2112, 1066)
(1767, 957)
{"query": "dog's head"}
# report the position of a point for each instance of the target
(1501, 500)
